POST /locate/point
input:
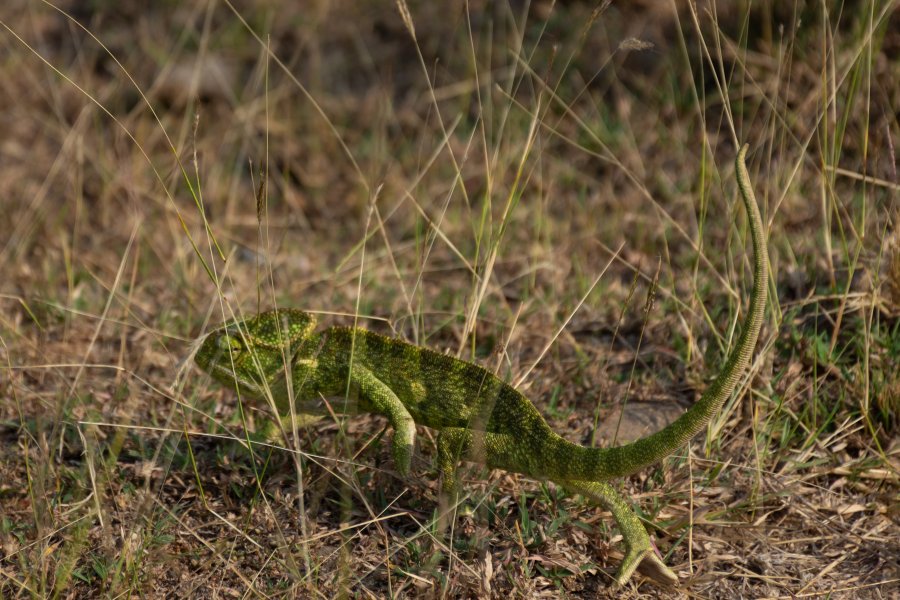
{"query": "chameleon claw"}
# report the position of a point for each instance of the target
(649, 563)
(642, 555)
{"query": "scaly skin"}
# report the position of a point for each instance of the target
(278, 355)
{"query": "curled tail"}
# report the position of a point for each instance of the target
(604, 463)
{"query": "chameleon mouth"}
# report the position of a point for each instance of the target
(223, 372)
(243, 372)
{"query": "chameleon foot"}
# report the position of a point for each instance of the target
(641, 555)
(402, 455)
(274, 433)
(639, 551)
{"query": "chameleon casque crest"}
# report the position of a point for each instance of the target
(480, 418)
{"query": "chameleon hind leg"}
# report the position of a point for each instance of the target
(453, 444)
(496, 450)
(509, 452)
(638, 548)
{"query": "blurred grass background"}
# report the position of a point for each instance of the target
(467, 176)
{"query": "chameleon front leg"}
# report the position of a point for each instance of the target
(511, 453)
(307, 407)
(384, 401)
(279, 432)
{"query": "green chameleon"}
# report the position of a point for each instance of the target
(279, 355)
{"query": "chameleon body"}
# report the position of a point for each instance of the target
(280, 356)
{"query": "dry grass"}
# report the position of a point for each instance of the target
(461, 177)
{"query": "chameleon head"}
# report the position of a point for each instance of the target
(251, 354)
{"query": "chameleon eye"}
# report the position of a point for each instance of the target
(228, 342)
